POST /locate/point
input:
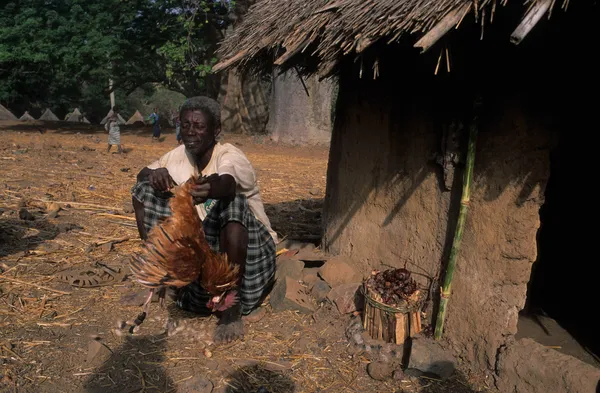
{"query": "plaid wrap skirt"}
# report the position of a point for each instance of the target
(261, 254)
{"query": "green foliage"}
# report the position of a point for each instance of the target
(61, 53)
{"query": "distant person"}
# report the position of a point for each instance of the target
(155, 127)
(114, 131)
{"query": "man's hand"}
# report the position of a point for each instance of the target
(160, 179)
(200, 191)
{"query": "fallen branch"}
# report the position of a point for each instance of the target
(116, 216)
(81, 204)
(33, 285)
(113, 241)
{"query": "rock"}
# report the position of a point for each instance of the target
(97, 353)
(310, 276)
(289, 268)
(288, 294)
(107, 247)
(85, 148)
(354, 331)
(212, 364)
(320, 290)
(294, 245)
(427, 356)
(380, 371)
(25, 215)
(49, 246)
(398, 375)
(128, 208)
(310, 255)
(52, 209)
(197, 384)
(337, 272)
(346, 297)
(125, 169)
(527, 366)
(314, 191)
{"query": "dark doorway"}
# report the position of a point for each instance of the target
(560, 309)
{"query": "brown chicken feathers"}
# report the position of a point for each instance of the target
(177, 253)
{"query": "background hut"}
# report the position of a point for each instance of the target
(77, 117)
(48, 116)
(109, 114)
(136, 119)
(26, 117)
(414, 78)
(5, 114)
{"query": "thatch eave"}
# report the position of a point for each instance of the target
(291, 33)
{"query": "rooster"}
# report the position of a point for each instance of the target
(176, 253)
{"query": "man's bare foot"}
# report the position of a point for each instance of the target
(230, 326)
(256, 315)
(228, 332)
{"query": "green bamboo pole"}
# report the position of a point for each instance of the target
(462, 215)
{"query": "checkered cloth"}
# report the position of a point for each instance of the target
(260, 259)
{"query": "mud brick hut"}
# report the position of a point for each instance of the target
(414, 78)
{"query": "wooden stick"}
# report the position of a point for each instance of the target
(81, 204)
(462, 216)
(113, 241)
(400, 328)
(116, 216)
(34, 285)
(529, 21)
(438, 31)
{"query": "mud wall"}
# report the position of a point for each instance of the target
(386, 204)
(296, 117)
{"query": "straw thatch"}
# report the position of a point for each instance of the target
(136, 118)
(284, 30)
(77, 117)
(26, 117)
(48, 116)
(110, 112)
(5, 114)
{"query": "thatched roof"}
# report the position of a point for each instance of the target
(136, 118)
(5, 114)
(109, 114)
(26, 117)
(48, 116)
(77, 117)
(283, 30)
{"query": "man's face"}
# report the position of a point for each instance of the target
(196, 133)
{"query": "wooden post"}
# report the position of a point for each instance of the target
(451, 19)
(530, 20)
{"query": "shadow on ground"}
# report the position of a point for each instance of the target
(257, 379)
(300, 219)
(21, 236)
(134, 367)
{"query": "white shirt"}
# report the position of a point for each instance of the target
(226, 160)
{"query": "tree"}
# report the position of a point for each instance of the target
(59, 53)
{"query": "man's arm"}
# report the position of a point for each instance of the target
(214, 187)
(159, 178)
(143, 175)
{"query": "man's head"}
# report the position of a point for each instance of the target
(200, 124)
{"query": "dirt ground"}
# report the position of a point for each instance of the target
(58, 338)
